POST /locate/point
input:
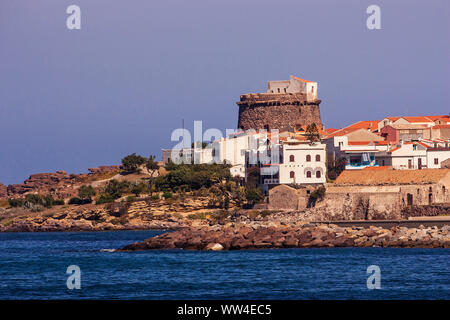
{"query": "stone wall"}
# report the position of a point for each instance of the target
(445, 164)
(277, 111)
(385, 202)
(288, 198)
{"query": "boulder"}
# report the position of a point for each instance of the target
(214, 247)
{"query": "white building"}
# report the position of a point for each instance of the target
(229, 150)
(299, 163)
(417, 155)
(294, 85)
(358, 153)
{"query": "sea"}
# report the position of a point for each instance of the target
(84, 265)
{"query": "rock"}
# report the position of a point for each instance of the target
(3, 191)
(214, 247)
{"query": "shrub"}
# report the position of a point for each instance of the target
(130, 198)
(75, 200)
(316, 195)
(155, 197)
(104, 198)
(167, 195)
(58, 202)
(254, 195)
(86, 192)
(15, 202)
(115, 189)
(138, 187)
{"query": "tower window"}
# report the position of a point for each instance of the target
(308, 174)
(292, 174)
(291, 158)
(308, 158)
(318, 174)
(318, 157)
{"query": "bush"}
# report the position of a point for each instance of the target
(59, 202)
(167, 195)
(35, 202)
(16, 202)
(138, 187)
(75, 200)
(316, 195)
(254, 195)
(155, 197)
(115, 189)
(104, 198)
(130, 198)
(86, 192)
(192, 177)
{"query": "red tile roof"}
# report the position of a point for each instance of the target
(367, 125)
(331, 130)
(441, 126)
(303, 80)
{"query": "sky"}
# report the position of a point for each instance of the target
(74, 99)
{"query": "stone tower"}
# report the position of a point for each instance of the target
(286, 104)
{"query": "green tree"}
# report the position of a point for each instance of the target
(115, 189)
(86, 192)
(138, 188)
(152, 165)
(312, 133)
(254, 196)
(132, 162)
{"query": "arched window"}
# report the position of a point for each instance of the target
(292, 174)
(308, 158)
(291, 158)
(318, 174)
(308, 174)
(318, 157)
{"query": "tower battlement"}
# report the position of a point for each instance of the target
(286, 104)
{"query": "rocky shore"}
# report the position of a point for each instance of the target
(235, 236)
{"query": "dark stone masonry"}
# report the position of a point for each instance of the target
(277, 111)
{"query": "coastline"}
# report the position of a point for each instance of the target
(239, 236)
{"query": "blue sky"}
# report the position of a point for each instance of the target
(73, 99)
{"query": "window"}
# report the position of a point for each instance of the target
(292, 174)
(308, 158)
(436, 161)
(318, 175)
(308, 174)
(318, 157)
(409, 199)
(291, 158)
(312, 89)
(278, 90)
(285, 90)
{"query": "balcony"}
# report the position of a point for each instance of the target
(361, 165)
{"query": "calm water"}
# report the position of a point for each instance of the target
(33, 266)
